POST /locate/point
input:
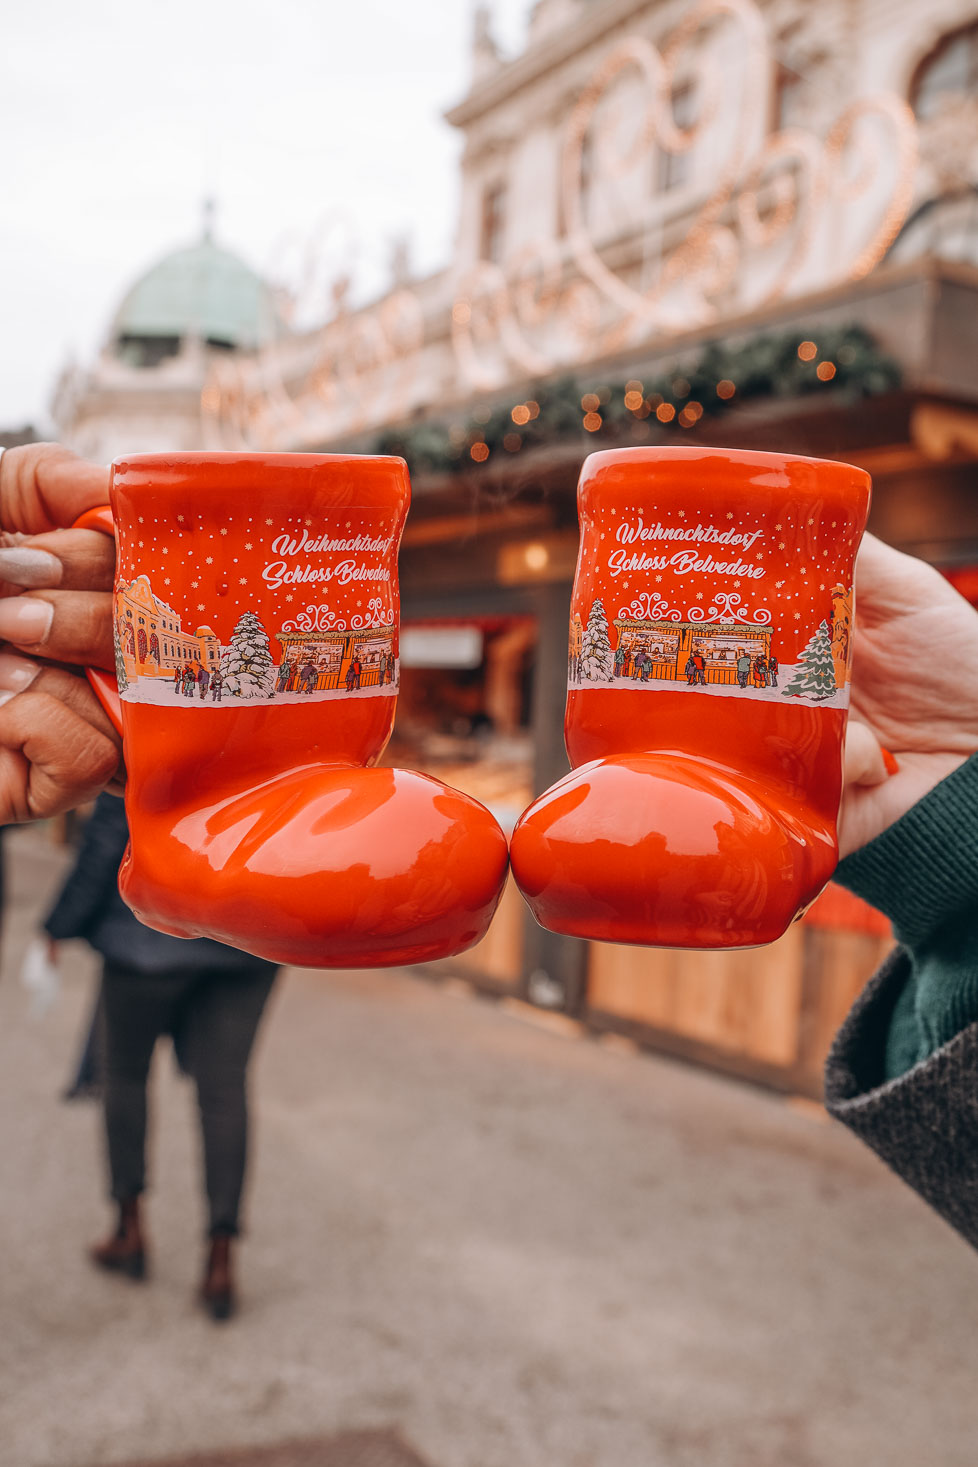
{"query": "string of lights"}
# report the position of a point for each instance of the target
(789, 364)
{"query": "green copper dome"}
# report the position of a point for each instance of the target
(202, 291)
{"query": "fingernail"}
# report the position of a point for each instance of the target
(23, 619)
(891, 765)
(22, 566)
(16, 673)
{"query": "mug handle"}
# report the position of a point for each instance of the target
(104, 684)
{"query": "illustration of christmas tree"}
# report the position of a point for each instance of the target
(815, 677)
(597, 663)
(246, 664)
(120, 661)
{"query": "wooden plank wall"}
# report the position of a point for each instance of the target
(499, 956)
(767, 1013)
(746, 1002)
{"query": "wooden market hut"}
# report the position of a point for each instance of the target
(499, 540)
(330, 653)
(669, 645)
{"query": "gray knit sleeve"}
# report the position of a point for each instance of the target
(924, 1123)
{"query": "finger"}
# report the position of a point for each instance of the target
(865, 759)
(51, 758)
(44, 486)
(890, 584)
(72, 560)
(17, 674)
(63, 626)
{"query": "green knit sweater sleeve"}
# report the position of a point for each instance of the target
(923, 874)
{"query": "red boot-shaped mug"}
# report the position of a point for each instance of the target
(256, 634)
(710, 647)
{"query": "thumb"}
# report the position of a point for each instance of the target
(46, 487)
(865, 759)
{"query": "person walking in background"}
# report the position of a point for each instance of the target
(203, 679)
(178, 680)
(210, 998)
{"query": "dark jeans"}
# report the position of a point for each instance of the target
(213, 1016)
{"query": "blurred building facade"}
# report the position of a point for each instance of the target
(719, 222)
(143, 393)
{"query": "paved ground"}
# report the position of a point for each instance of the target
(508, 1248)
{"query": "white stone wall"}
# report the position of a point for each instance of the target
(628, 277)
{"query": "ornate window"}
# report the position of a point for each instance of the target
(493, 222)
(949, 72)
(672, 170)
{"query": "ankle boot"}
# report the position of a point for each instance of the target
(125, 1251)
(256, 630)
(217, 1294)
(707, 695)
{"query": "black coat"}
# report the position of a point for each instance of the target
(89, 906)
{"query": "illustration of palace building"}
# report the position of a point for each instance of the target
(151, 640)
(314, 661)
(670, 644)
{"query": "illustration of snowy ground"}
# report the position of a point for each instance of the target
(162, 693)
(839, 699)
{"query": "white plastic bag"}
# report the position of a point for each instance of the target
(40, 976)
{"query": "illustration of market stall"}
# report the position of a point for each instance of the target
(313, 661)
(662, 649)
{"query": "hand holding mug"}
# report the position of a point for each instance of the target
(57, 747)
(914, 689)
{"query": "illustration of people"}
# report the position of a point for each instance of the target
(647, 666)
(307, 677)
(743, 667)
(203, 682)
(772, 671)
(574, 648)
(178, 680)
(283, 677)
(217, 685)
(638, 664)
(759, 672)
(189, 680)
(699, 668)
(354, 673)
(626, 666)
(619, 659)
(690, 670)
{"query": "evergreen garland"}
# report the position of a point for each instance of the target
(767, 366)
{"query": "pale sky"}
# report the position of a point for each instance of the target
(119, 116)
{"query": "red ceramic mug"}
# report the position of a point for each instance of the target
(256, 631)
(710, 646)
